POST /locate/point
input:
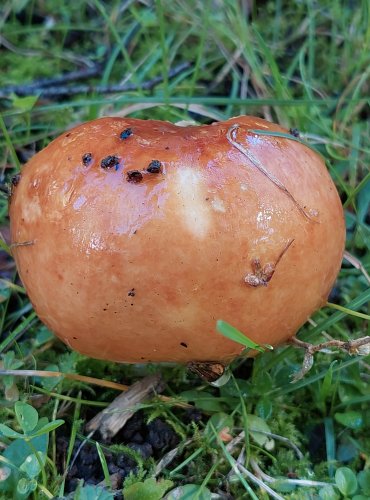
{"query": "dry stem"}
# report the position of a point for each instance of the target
(269, 479)
(357, 347)
(47, 91)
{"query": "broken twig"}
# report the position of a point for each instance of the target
(357, 347)
(65, 90)
(269, 479)
(36, 85)
(111, 420)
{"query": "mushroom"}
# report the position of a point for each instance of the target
(133, 237)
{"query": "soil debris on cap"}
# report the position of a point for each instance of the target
(154, 167)
(134, 176)
(109, 161)
(86, 159)
(125, 134)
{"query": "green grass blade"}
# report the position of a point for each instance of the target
(330, 445)
(103, 461)
(15, 334)
(232, 333)
(9, 143)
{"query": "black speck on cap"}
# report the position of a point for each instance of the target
(86, 159)
(109, 162)
(125, 134)
(154, 167)
(134, 176)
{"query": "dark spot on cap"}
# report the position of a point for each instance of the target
(131, 293)
(183, 344)
(75, 338)
(134, 176)
(167, 147)
(109, 162)
(125, 134)
(69, 133)
(15, 179)
(154, 167)
(86, 159)
(294, 132)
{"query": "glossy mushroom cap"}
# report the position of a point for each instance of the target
(134, 237)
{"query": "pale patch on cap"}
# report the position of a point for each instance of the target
(195, 213)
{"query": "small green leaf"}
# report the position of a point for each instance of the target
(232, 333)
(363, 479)
(351, 419)
(22, 486)
(346, 481)
(262, 382)
(49, 383)
(189, 492)
(26, 415)
(91, 492)
(9, 433)
(258, 428)
(328, 493)
(43, 335)
(347, 450)
(326, 386)
(347, 392)
(31, 466)
(24, 103)
(282, 486)
(264, 408)
(10, 363)
(11, 392)
(203, 400)
(241, 388)
(26, 486)
(149, 489)
(48, 428)
(8, 381)
(14, 456)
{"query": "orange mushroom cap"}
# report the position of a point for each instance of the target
(133, 237)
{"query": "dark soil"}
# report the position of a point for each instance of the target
(146, 441)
